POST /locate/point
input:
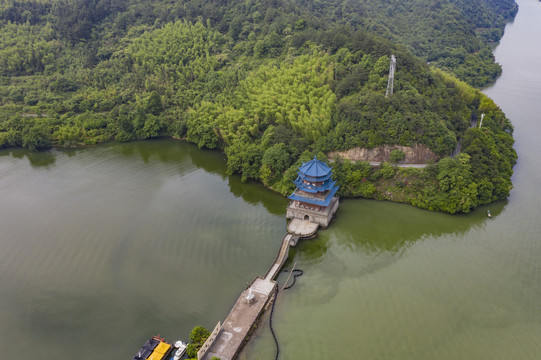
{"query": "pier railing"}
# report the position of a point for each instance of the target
(208, 343)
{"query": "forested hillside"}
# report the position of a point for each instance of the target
(455, 35)
(270, 82)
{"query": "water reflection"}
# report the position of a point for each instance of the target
(310, 251)
(377, 227)
(385, 230)
(172, 151)
(36, 159)
(168, 151)
(370, 237)
(214, 162)
(255, 193)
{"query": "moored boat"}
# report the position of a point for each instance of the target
(181, 349)
(147, 349)
(161, 351)
(489, 214)
(154, 349)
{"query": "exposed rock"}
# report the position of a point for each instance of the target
(417, 154)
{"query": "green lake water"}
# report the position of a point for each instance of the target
(103, 247)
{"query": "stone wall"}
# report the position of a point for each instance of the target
(323, 218)
(417, 154)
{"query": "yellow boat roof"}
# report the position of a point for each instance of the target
(159, 351)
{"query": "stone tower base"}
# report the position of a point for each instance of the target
(321, 217)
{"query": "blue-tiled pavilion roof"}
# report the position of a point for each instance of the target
(309, 200)
(315, 170)
(313, 178)
(311, 188)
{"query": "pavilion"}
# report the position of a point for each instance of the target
(314, 198)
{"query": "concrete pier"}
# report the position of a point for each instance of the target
(240, 322)
(227, 340)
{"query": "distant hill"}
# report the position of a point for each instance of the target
(456, 35)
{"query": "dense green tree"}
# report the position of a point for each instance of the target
(244, 157)
(198, 336)
(396, 156)
(277, 158)
(35, 137)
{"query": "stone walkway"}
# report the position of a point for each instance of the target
(227, 339)
(240, 321)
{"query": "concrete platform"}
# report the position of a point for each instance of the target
(302, 228)
(240, 321)
(263, 286)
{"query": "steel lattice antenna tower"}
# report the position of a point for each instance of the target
(390, 82)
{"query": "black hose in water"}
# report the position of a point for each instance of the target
(296, 273)
(270, 324)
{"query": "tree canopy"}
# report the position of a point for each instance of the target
(271, 83)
